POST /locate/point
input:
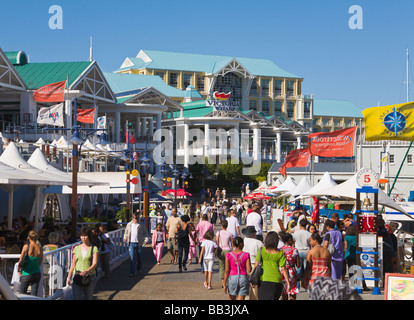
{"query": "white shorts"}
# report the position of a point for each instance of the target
(208, 265)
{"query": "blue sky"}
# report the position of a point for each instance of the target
(308, 38)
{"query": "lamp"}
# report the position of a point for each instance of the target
(102, 139)
(75, 139)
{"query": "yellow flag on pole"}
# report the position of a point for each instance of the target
(393, 122)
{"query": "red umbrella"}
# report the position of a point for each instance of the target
(256, 196)
(180, 192)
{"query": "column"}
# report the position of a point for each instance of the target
(206, 140)
(186, 146)
(299, 140)
(256, 144)
(151, 128)
(138, 127)
(118, 127)
(157, 155)
(143, 127)
(278, 147)
(235, 145)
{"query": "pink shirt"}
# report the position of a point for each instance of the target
(224, 240)
(202, 228)
(242, 263)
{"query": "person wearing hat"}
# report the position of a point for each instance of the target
(252, 246)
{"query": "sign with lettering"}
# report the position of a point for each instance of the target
(222, 102)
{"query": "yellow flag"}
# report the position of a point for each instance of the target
(394, 122)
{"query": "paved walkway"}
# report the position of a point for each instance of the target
(164, 282)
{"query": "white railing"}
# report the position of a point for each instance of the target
(56, 265)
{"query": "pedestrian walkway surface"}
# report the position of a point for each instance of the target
(165, 282)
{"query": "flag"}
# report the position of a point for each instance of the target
(338, 143)
(385, 158)
(85, 115)
(101, 123)
(51, 115)
(296, 158)
(53, 92)
(393, 122)
(132, 139)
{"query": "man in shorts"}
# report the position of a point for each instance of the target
(171, 225)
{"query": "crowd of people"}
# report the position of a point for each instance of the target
(289, 259)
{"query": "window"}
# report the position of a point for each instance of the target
(200, 83)
(278, 87)
(392, 159)
(278, 108)
(290, 88)
(306, 111)
(160, 74)
(410, 159)
(186, 80)
(265, 87)
(253, 105)
(290, 109)
(253, 88)
(265, 107)
(173, 79)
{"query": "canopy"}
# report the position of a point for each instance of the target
(256, 196)
(300, 189)
(348, 188)
(180, 192)
(286, 186)
(326, 182)
(12, 157)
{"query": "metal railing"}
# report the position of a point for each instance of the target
(56, 265)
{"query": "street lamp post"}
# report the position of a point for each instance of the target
(145, 164)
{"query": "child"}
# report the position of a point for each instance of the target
(158, 239)
(292, 263)
(192, 253)
(208, 249)
(236, 281)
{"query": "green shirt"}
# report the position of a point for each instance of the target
(271, 264)
(32, 266)
(83, 263)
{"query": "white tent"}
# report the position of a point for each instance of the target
(348, 188)
(300, 189)
(287, 185)
(325, 183)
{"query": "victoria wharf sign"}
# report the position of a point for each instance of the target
(222, 102)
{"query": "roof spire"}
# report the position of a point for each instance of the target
(90, 51)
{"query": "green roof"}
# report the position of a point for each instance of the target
(128, 83)
(336, 108)
(36, 75)
(195, 109)
(164, 60)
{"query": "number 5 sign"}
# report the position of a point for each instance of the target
(367, 178)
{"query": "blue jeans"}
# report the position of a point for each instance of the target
(32, 280)
(135, 256)
(86, 292)
(302, 258)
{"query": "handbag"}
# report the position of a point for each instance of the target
(331, 247)
(257, 272)
(23, 262)
(181, 234)
(85, 280)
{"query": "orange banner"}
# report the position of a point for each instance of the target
(338, 143)
(85, 115)
(53, 92)
(296, 158)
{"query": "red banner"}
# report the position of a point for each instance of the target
(296, 158)
(338, 143)
(132, 139)
(85, 115)
(53, 92)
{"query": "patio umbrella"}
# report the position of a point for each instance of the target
(256, 196)
(180, 193)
